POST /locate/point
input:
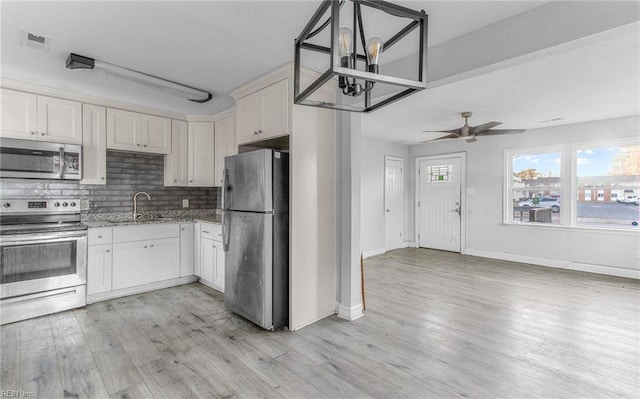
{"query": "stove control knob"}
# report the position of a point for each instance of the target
(6, 205)
(64, 204)
(57, 204)
(73, 204)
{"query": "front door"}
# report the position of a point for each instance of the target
(439, 204)
(393, 202)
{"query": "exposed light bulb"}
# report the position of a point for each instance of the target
(374, 48)
(344, 42)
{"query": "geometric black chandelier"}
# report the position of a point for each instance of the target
(354, 57)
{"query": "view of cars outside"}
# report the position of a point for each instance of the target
(543, 202)
(606, 181)
(631, 199)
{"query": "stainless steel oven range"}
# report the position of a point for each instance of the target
(43, 258)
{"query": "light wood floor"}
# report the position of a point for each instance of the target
(437, 325)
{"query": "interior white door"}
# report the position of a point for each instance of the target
(439, 204)
(393, 198)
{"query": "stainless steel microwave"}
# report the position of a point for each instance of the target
(40, 160)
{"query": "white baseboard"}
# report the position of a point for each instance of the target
(381, 251)
(350, 313)
(373, 252)
(560, 264)
(103, 296)
(308, 323)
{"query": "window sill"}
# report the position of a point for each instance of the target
(590, 229)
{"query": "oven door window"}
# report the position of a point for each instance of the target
(35, 261)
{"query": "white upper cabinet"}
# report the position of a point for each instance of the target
(32, 117)
(275, 110)
(94, 145)
(176, 164)
(59, 120)
(131, 131)
(201, 154)
(263, 114)
(191, 161)
(19, 114)
(156, 134)
(225, 145)
(248, 118)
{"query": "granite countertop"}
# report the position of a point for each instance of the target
(96, 220)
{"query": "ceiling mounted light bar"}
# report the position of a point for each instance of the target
(352, 81)
(76, 61)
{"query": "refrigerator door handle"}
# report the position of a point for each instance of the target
(225, 192)
(225, 232)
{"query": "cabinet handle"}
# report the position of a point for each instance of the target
(175, 180)
(204, 231)
(259, 131)
(99, 236)
(145, 246)
(33, 133)
(102, 178)
(190, 181)
(183, 229)
(151, 245)
(144, 145)
(138, 145)
(255, 132)
(108, 250)
(42, 134)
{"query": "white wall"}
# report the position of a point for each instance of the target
(313, 211)
(582, 249)
(372, 186)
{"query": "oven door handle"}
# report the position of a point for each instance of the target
(41, 239)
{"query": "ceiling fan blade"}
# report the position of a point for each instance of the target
(500, 131)
(446, 136)
(485, 126)
(452, 131)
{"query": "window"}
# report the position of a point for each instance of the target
(587, 185)
(536, 187)
(608, 185)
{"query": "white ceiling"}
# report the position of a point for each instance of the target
(220, 45)
(593, 82)
(213, 45)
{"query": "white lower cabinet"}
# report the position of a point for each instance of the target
(99, 268)
(187, 248)
(210, 255)
(145, 254)
(138, 258)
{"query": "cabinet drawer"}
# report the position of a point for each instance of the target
(145, 232)
(211, 231)
(98, 236)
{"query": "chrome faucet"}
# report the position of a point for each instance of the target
(135, 204)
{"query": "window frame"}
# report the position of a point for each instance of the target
(568, 183)
(508, 177)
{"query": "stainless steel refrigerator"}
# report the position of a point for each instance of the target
(255, 230)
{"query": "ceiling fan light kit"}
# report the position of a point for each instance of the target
(355, 80)
(469, 133)
(77, 61)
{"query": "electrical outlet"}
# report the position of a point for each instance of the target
(185, 203)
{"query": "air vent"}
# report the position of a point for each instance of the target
(35, 41)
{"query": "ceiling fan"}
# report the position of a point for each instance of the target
(469, 133)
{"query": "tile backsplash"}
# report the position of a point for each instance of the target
(127, 173)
